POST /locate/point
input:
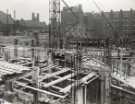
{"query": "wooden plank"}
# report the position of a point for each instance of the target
(122, 89)
(26, 64)
(92, 79)
(13, 66)
(27, 79)
(49, 67)
(54, 74)
(89, 76)
(9, 71)
(5, 71)
(59, 88)
(122, 80)
(60, 80)
(26, 75)
(82, 80)
(22, 92)
(2, 73)
(70, 79)
(38, 90)
(117, 57)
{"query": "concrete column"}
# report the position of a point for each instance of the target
(81, 95)
(32, 50)
(15, 48)
(85, 94)
(105, 88)
(35, 83)
(102, 84)
(9, 85)
(121, 64)
(6, 55)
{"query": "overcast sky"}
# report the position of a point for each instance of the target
(24, 8)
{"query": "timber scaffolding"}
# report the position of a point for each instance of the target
(55, 79)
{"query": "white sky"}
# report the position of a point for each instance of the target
(24, 8)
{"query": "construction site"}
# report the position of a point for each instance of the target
(67, 65)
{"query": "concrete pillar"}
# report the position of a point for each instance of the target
(9, 85)
(50, 61)
(81, 95)
(35, 83)
(121, 64)
(102, 89)
(15, 48)
(105, 88)
(85, 94)
(32, 49)
(6, 55)
(0, 51)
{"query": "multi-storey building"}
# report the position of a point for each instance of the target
(123, 23)
(6, 23)
(113, 24)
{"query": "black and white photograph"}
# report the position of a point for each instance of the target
(67, 51)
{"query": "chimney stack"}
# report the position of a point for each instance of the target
(33, 16)
(38, 18)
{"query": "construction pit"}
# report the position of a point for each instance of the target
(62, 77)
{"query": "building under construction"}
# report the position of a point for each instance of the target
(74, 67)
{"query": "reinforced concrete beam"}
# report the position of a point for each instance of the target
(39, 90)
(84, 80)
(54, 74)
(122, 89)
(60, 80)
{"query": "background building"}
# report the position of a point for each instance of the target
(113, 24)
(123, 23)
(8, 25)
(33, 24)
